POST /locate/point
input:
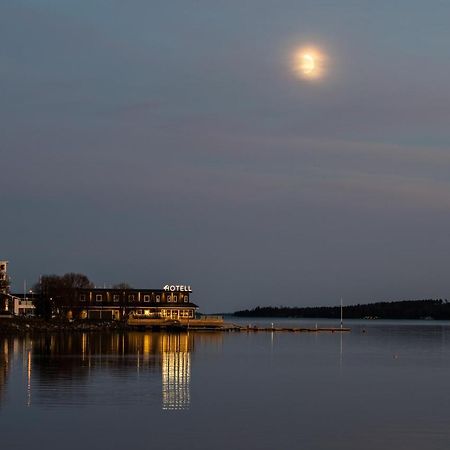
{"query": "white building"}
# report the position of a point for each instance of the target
(23, 307)
(4, 287)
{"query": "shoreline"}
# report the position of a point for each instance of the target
(14, 325)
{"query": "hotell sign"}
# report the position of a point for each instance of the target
(177, 288)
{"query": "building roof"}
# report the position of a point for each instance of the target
(133, 290)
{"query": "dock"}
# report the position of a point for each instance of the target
(201, 323)
(216, 323)
(253, 329)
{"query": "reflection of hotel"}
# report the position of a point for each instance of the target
(176, 371)
(158, 356)
(59, 370)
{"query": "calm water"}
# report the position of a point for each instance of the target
(385, 385)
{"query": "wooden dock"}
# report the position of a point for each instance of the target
(204, 322)
(216, 323)
(253, 329)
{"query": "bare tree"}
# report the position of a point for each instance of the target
(56, 291)
(122, 285)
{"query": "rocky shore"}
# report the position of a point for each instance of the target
(34, 325)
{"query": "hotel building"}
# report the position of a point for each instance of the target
(171, 302)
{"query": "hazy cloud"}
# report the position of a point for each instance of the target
(169, 141)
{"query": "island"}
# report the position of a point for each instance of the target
(437, 309)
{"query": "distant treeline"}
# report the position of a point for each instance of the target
(406, 309)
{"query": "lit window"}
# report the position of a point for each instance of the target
(169, 297)
(158, 298)
(116, 297)
(146, 298)
(186, 299)
(175, 298)
(82, 298)
(98, 297)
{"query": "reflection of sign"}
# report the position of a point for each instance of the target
(177, 287)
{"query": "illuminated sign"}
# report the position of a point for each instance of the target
(177, 288)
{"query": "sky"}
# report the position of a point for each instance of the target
(156, 142)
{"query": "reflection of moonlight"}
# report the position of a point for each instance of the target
(308, 63)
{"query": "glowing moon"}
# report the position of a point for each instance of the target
(308, 63)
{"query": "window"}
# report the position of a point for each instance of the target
(146, 298)
(98, 297)
(175, 298)
(116, 297)
(82, 297)
(186, 299)
(169, 297)
(158, 298)
(131, 298)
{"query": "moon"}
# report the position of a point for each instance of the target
(308, 63)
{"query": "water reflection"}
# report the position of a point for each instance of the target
(117, 355)
(5, 352)
(383, 385)
(80, 369)
(176, 372)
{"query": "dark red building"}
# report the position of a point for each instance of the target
(171, 302)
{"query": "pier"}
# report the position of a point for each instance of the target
(216, 323)
(251, 328)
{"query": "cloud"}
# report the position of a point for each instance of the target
(389, 192)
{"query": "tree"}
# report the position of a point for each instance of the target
(122, 285)
(55, 291)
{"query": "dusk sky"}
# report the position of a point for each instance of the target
(158, 142)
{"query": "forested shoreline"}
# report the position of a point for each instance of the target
(437, 309)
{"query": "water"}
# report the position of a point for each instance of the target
(384, 385)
